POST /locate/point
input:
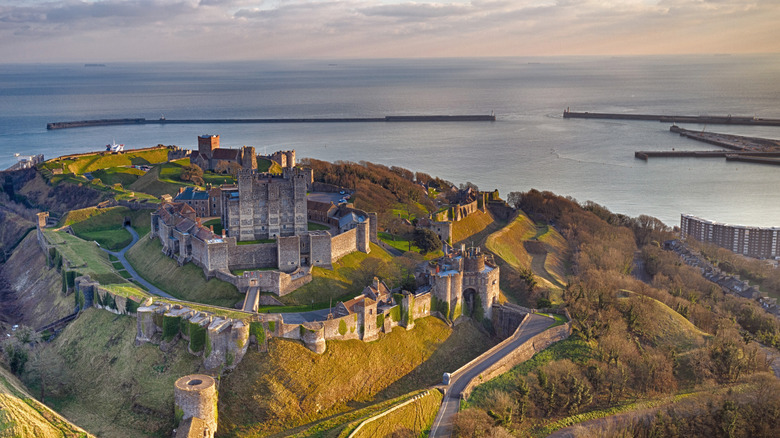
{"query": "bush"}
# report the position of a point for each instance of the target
(343, 327)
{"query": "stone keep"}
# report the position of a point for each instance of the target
(195, 396)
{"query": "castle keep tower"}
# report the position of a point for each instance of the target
(195, 405)
(207, 144)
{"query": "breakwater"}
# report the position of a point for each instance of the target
(162, 121)
(711, 120)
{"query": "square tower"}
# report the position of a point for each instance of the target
(207, 144)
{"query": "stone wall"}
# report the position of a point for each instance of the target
(251, 256)
(320, 249)
(289, 250)
(221, 341)
(519, 355)
(343, 244)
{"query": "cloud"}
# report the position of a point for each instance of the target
(243, 29)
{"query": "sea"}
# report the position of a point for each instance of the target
(530, 145)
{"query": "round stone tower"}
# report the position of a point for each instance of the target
(474, 261)
(195, 396)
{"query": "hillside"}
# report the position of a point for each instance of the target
(111, 387)
(30, 291)
(106, 225)
(23, 416)
(523, 246)
(469, 226)
(14, 228)
(291, 385)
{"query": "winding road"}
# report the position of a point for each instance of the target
(442, 425)
(137, 278)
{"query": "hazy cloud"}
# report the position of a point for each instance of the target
(34, 30)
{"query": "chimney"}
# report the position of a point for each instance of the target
(375, 283)
(211, 227)
(223, 233)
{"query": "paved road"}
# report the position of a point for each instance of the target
(442, 425)
(121, 256)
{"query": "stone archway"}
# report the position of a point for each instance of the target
(127, 222)
(470, 302)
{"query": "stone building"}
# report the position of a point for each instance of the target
(195, 198)
(756, 242)
(266, 206)
(210, 156)
(195, 406)
(464, 282)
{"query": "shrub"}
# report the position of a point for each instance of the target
(170, 327)
(343, 327)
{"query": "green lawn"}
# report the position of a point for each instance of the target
(217, 223)
(253, 242)
(312, 226)
(402, 243)
(105, 160)
(118, 175)
(183, 282)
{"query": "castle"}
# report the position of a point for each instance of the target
(265, 206)
(464, 282)
(268, 215)
(209, 156)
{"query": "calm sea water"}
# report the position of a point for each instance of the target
(530, 146)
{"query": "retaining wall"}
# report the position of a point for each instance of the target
(519, 355)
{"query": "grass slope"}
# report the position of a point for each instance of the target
(23, 416)
(508, 242)
(84, 257)
(336, 284)
(662, 326)
(116, 388)
(105, 225)
(152, 184)
(184, 282)
(104, 160)
(413, 419)
(470, 225)
(291, 385)
(118, 175)
(32, 292)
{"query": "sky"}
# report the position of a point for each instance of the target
(194, 30)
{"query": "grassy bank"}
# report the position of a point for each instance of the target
(106, 225)
(471, 225)
(299, 386)
(184, 282)
(336, 284)
(115, 389)
(84, 257)
(414, 419)
(23, 416)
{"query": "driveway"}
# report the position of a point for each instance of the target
(442, 425)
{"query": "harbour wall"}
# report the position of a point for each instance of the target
(712, 120)
(395, 119)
